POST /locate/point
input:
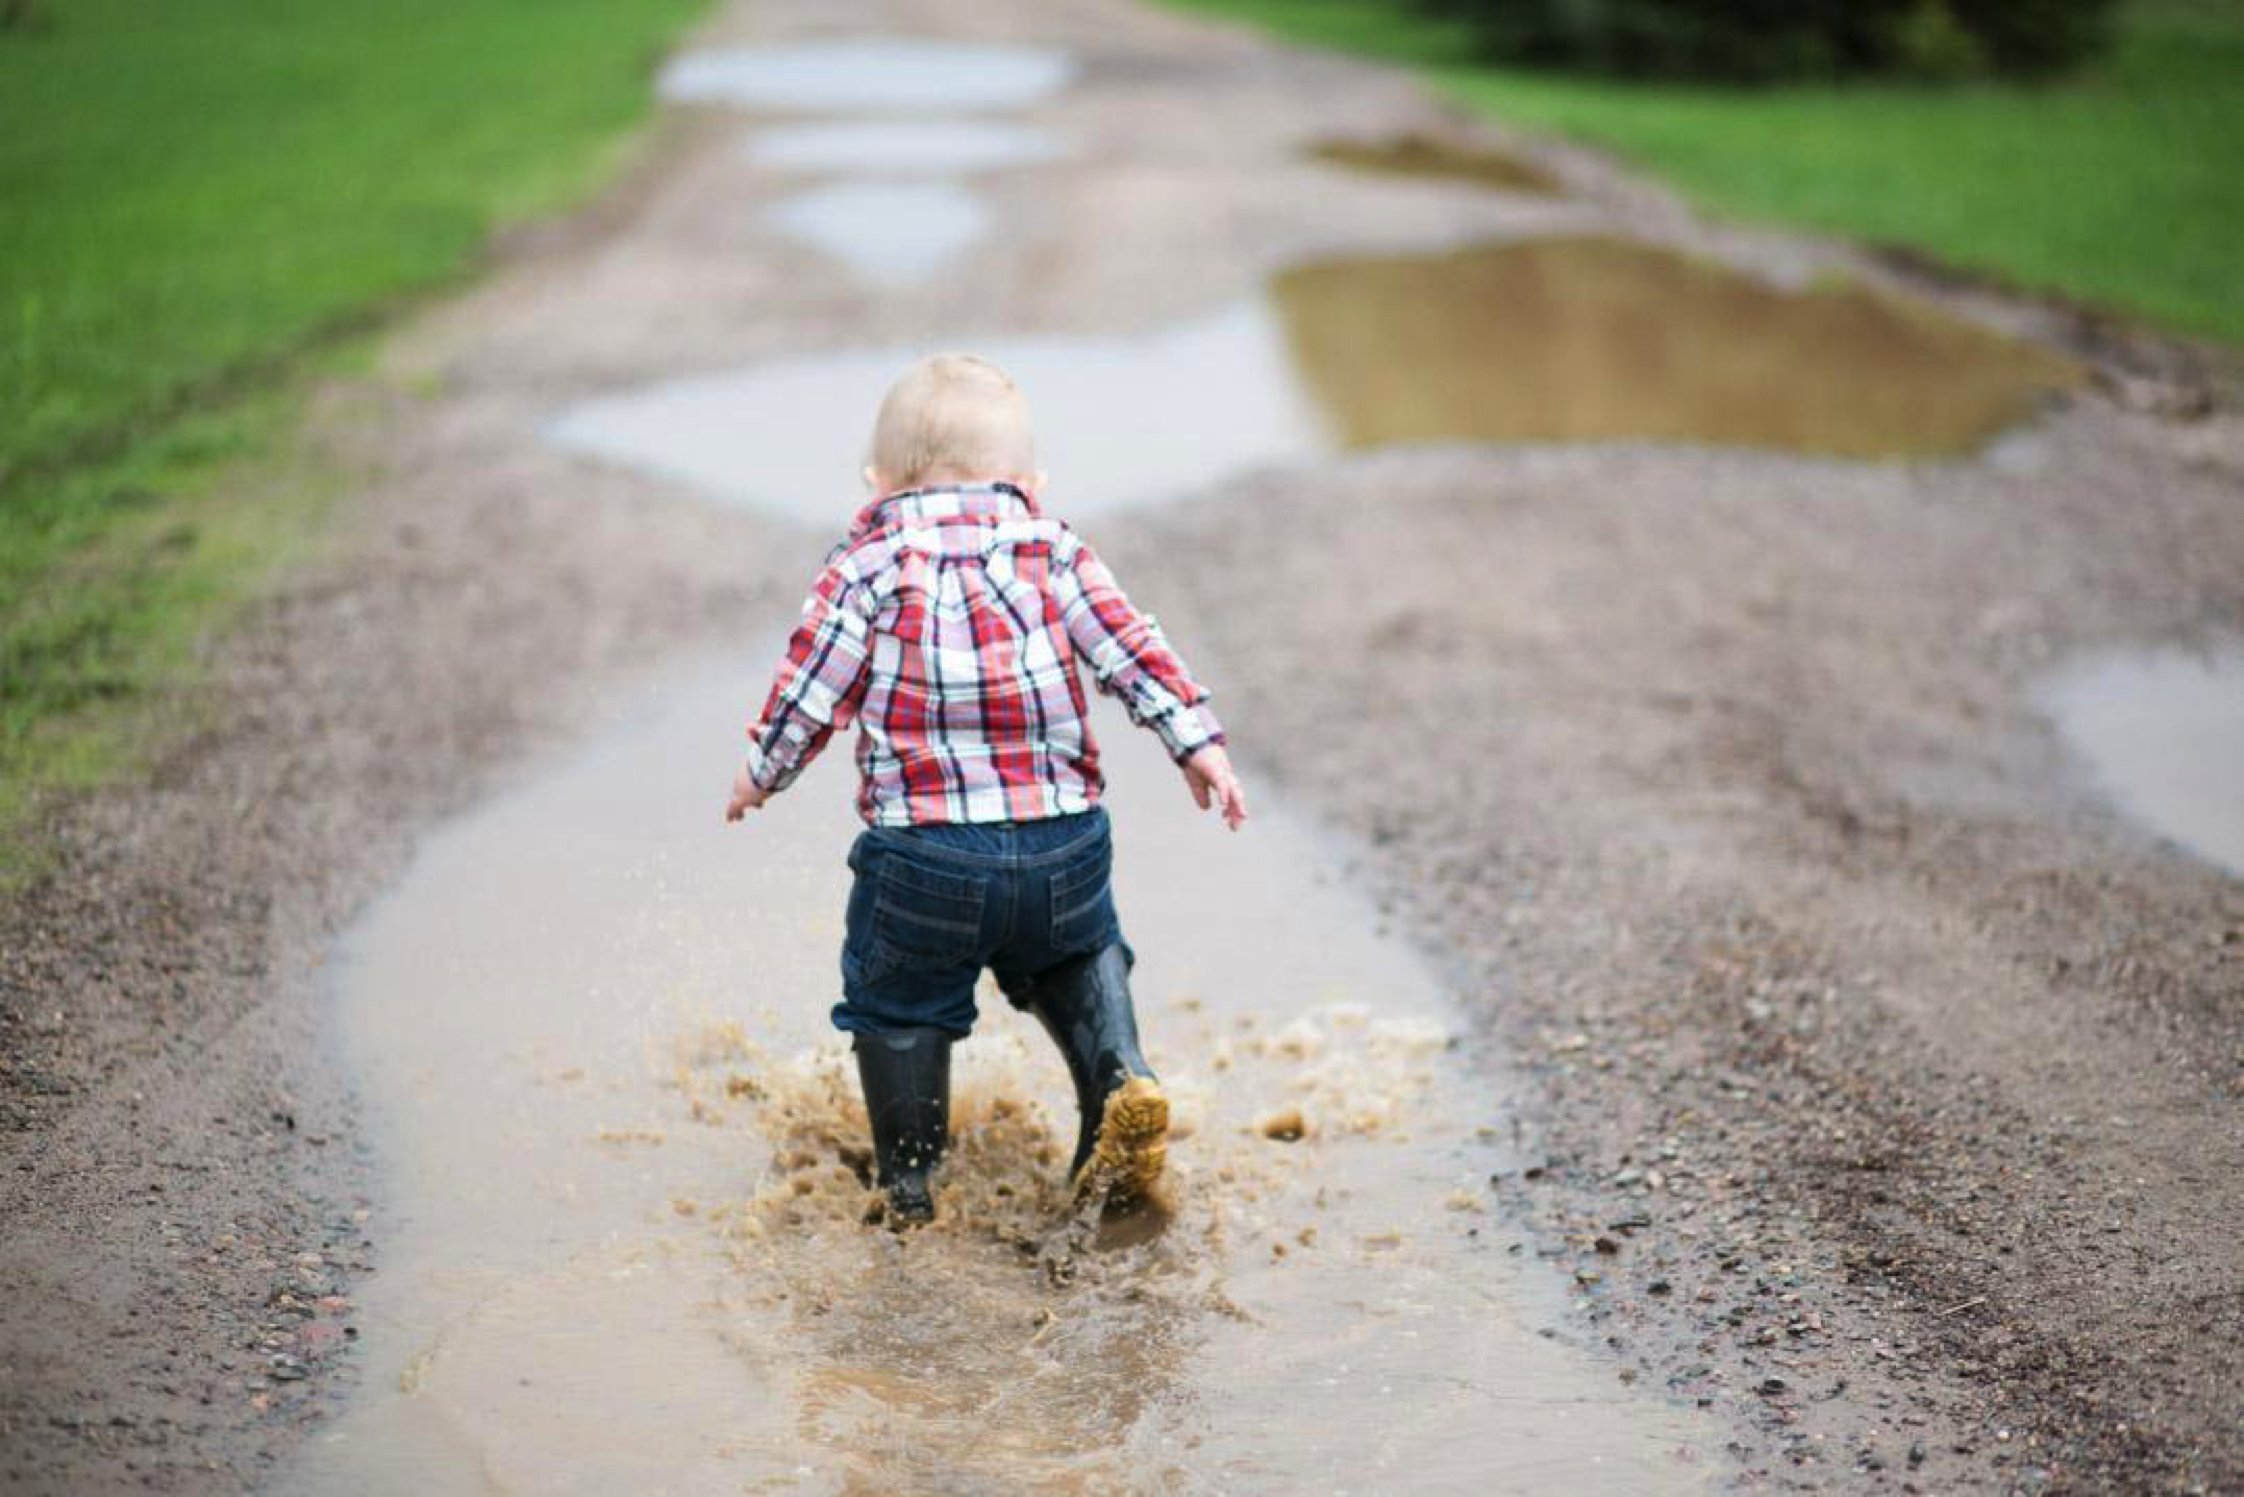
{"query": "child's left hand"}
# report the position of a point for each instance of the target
(747, 796)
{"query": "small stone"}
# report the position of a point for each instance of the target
(1285, 1127)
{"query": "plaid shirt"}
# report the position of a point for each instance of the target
(948, 625)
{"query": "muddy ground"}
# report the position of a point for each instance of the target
(1888, 1082)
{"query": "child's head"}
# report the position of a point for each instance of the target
(952, 418)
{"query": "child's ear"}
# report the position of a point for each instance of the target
(873, 484)
(1042, 478)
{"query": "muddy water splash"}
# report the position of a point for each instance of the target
(1431, 159)
(628, 1250)
(2164, 733)
(1583, 340)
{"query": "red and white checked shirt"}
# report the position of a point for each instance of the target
(947, 626)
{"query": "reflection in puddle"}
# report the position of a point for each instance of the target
(1119, 419)
(882, 75)
(1425, 156)
(1581, 340)
(902, 147)
(893, 233)
(1542, 341)
(2164, 733)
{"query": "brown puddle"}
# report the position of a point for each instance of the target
(1595, 339)
(624, 1160)
(1441, 160)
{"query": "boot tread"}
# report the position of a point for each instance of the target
(1133, 1142)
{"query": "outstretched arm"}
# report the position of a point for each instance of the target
(1132, 661)
(817, 689)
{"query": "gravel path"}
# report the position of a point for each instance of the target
(1887, 1081)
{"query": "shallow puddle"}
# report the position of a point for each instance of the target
(627, 1249)
(890, 233)
(1542, 341)
(872, 75)
(884, 147)
(1584, 340)
(1426, 157)
(2164, 734)
(1119, 419)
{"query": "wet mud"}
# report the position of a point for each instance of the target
(1597, 339)
(1430, 158)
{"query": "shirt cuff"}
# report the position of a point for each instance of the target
(1189, 730)
(771, 776)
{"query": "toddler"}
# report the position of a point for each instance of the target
(947, 625)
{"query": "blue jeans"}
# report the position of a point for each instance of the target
(934, 905)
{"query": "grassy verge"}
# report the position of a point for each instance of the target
(2117, 187)
(200, 203)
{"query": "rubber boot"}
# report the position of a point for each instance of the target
(1123, 1143)
(907, 1079)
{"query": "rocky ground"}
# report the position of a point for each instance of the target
(1888, 1083)
(1889, 1086)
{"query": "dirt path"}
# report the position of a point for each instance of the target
(1715, 781)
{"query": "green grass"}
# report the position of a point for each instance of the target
(201, 201)
(2119, 187)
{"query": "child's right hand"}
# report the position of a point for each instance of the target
(1207, 773)
(747, 796)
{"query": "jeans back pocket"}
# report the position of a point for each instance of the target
(1082, 901)
(927, 914)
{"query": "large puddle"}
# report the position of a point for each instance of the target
(2164, 734)
(1587, 340)
(1573, 340)
(869, 75)
(1119, 420)
(902, 148)
(627, 1252)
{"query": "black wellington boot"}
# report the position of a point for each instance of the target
(1123, 1144)
(907, 1079)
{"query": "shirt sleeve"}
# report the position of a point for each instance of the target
(1129, 657)
(820, 682)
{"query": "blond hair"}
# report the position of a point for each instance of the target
(953, 416)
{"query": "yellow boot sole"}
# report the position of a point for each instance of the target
(1133, 1144)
